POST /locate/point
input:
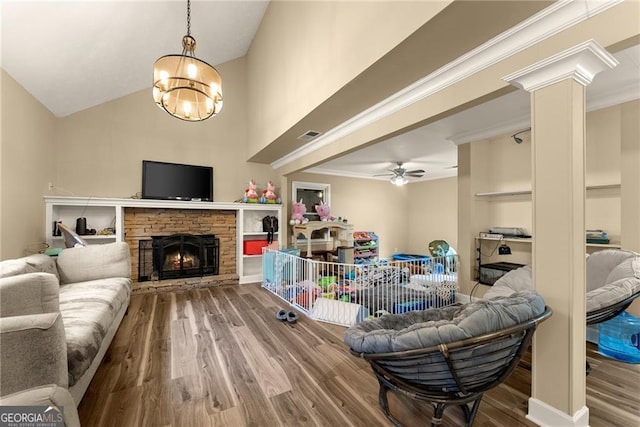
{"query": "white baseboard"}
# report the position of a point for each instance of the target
(544, 414)
(462, 298)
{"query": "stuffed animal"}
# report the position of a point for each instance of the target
(325, 212)
(297, 213)
(251, 193)
(269, 194)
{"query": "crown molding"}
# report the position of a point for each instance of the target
(581, 63)
(557, 17)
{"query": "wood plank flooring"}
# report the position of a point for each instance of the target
(218, 357)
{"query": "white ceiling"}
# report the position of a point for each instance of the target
(72, 55)
(434, 147)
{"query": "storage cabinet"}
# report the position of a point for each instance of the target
(365, 247)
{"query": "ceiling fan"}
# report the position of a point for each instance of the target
(399, 174)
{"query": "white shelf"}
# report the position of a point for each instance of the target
(529, 240)
(258, 233)
(90, 237)
(525, 192)
(604, 245)
(503, 193)
(507, 239)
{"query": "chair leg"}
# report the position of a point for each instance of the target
(384, 404)
(438, 410)
(470, 415)
(588, 369)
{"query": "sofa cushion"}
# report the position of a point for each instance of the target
(88, 309)
(37, 263)
(104, 261)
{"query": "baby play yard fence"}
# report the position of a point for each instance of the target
(346, 294)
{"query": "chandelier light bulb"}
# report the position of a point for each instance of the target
(192, 71)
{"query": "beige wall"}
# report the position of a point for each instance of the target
(370, 205)
(27, 147)
(100, 150)
(432, 214)
(305, 51)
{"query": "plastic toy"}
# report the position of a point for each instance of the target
(251, 193)
(298, 209)
(325, 212)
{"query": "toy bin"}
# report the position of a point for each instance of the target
(253, 247)
(619, 338)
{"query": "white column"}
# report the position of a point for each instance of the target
(557, 87)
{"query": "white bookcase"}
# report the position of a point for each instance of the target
(105, 213)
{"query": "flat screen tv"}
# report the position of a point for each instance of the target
(174, 181)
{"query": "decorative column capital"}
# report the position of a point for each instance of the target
(581, 63)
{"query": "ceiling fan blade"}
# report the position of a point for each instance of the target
(416, 171)
(384, 174)
(414, 175)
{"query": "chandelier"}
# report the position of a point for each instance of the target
(184, 86)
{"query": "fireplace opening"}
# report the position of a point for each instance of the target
(178, 256)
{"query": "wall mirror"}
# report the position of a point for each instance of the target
(312, 194)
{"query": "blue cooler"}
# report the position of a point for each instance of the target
(620, 338)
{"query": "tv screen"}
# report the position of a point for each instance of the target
(173, 181)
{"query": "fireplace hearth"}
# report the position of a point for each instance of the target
(178, 256)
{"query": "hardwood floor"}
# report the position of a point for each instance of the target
(217, 356)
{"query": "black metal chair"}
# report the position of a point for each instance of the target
(453, 374)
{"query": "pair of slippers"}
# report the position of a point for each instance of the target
(287, 316)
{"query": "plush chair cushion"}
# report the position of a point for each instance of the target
(420, 329)
(600, 264)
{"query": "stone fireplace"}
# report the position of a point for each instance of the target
(177, 256)
(168, 227)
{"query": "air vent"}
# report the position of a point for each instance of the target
(309, 135)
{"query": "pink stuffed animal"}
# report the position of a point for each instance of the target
(298, 209)
(251, 193)
(325, 212)
(270, 193)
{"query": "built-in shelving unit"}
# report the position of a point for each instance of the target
(529, 240)
(107, 213)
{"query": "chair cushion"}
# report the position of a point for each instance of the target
(421, 329)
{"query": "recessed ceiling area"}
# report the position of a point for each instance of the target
(434, 147)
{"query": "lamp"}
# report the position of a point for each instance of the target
(517, 139)
(184, 86)
(399, 180)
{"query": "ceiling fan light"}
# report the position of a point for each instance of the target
(399, 180)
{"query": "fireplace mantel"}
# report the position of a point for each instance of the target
(105, 213)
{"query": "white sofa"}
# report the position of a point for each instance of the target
(57, 319)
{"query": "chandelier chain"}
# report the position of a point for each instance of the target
(189, 17)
